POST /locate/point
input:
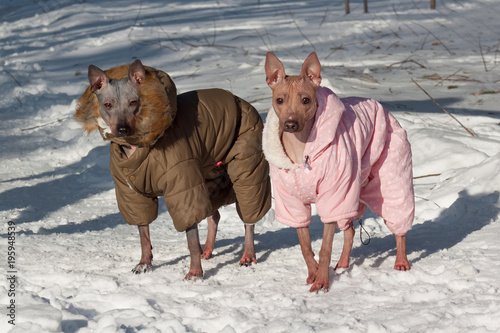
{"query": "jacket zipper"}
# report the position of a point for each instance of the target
(305, 163)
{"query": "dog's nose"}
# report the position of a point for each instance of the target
(291, 126)
(123, 131)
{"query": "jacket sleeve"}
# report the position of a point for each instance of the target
(186, 195)
(248, 169)
(135, 208)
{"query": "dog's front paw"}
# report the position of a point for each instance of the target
(248, 258)
(142, 268)
(248, 261)
(317, 286)
(194, 275)
(311, 277)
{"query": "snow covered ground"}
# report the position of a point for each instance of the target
(74, 253)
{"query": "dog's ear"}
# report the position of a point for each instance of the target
(275, 72)
(97, 78)
(137, 72)
(311, 68)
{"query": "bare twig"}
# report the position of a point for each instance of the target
(388, 27)
(437, 38)
(403, 21)
(214, 36)
(166, 34)
(424, 41)
(215, 32)
(425, 199)
(437, 77)
(268, 46)
(426, 176)
(208, 45)
(46, 124)
(453, 80)
(334, 49)
(406, 61)
(15, 80)
(300, 31)
(324, 17)
(12, 77)
(487, 92)
(482, 56)
(159, 43)
(135, 21)
(418, 85)
(193, 74)
(447, 78)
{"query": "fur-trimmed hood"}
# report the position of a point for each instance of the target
(271, 139)
(158, 98)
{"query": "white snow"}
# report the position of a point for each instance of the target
(74, 253)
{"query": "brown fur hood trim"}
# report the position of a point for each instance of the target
(158, 98)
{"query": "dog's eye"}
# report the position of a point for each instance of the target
(279, 100)
(107, 105)
(133, 103)
(305, 100)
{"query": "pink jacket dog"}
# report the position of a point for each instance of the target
(347, 166)
(356, 155)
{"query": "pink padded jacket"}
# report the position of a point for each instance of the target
(357, 155)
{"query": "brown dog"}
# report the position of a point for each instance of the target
(199, 150)
(341, 155)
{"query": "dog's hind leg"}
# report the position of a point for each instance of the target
(346, 250)
(402, 263)
(213, 222)
(193, 239)
(249, 251)
(147, 255)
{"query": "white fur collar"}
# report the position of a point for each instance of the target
(102, 124)
(271, 143)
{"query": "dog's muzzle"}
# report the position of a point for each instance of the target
(123, 130)
(291, 126)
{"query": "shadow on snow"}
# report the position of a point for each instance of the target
(65, 187)
(468, 214)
